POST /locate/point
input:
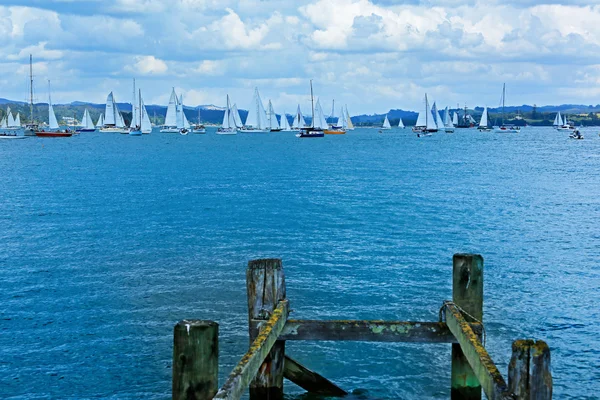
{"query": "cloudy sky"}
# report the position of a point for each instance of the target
(370, 54)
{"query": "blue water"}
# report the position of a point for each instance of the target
(108, 240)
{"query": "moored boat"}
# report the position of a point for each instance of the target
(53, 128)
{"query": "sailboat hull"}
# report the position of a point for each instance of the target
(53, 134)
(86, 130)
(254, 130)
(169, 130)
(113, 130)
(226, 131)
(334, 132)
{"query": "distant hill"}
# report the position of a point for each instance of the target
(542, 115)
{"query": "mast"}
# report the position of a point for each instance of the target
(503, 96)
(427, 111)
(312, 104)
(30, 89)
(141, 109)
(133, 117)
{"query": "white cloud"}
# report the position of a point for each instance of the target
(148, 65)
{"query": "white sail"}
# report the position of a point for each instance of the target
(182, 121)
(425, 118)
(298, 120)
(349, 120)
(171, 116)
(272, 117)
(386, 123)
(436, 116)
(285, 125)
(11, 119)
(447, 120)
(86, 121)
(455, 119)
(145, 124)
(558, 121)
(319, 120)
(52, 122)
(257, 115)
(226, 116)
(484, 118)
(3, 123)
(100, 121)
(118, 117)
(109, 112)
(18, 120)
(135, 119)
(342, 121)
(400, 123)
(235, 114)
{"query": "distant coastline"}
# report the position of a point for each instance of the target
(518, 115)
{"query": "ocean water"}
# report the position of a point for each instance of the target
(106, 241)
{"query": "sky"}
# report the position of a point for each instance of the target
(373, 55)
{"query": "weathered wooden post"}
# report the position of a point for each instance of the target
(265, 282)
(529, 376)
(195, 360)
(467, 293)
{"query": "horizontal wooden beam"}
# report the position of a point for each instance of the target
(369, 331)
(244, 372)
(487, 373)
(310, 380)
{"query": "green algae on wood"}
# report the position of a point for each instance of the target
(195, 360)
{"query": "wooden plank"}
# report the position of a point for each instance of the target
(252, 361)
(369, 331)
(529, 376)
(479, 360)
(310, 380)
(195, 360)
(467, 293)
(265, 282)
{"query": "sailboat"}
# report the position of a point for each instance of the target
(506, 128)
(113, 120)
(349, 121)
(135, 124)
(315, 130)
(228, 126)
(182, 122)
(87, 125)
(256, 121)
(100, 122)
(438, 118)
(198, 127)
(54, 130)
(401, 124)
(146, 124)
(335, 128)
(170, 125)
(9, 129)
(386, 123)
(298, 122)
(425, 123)
(484, 125)
(448, 125)
(272, 123)
(562, 125)
(236, 116)
(455, 118)
(284, 124)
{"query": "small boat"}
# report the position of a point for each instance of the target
(386, 123)
(228, 127)
(484, 125)
(170, 125)
(54, 130)
(198, 128)
(87, 125)
(7, 136)
(576, 135)
(425, 122)
(257, 120)
(561, 125)
(338, 126)
(318, 120)
(506, 128)
(113, 120)
(285, 124)
(448, 125)
(401, 124)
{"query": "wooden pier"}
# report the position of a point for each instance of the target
(263, 368)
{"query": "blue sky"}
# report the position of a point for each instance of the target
(373, 55)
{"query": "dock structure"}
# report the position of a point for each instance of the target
(263, 368)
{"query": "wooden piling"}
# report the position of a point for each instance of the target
(529, 376)
(195, 360)
(310, 380)
(467, 293)
(265, 282)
